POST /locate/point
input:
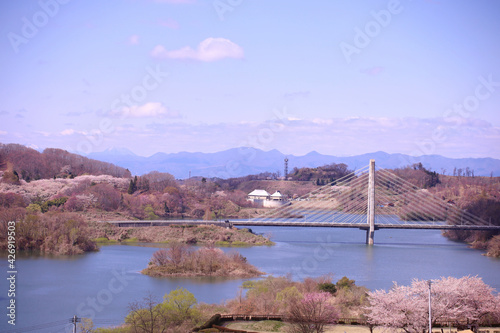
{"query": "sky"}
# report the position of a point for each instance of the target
(343, 78)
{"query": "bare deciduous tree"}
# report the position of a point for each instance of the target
(311, 313)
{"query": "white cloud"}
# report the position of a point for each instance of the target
(68, 131)
(211, 49)
(152, 109)
(335, 136)
(169, 23)
(3, 133)
(133, 40)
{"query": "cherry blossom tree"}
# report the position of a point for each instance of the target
(453, 300)
(400, 307)
(460, 299)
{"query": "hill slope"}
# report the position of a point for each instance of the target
(30, 164)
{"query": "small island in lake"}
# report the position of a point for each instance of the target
(179, 260)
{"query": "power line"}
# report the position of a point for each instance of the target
(59, 325)
(38, 327)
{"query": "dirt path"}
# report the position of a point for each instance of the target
(245, 325)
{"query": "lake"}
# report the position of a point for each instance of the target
(51, 290)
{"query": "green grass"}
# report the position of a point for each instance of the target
(239, 243)
(104, 240)
(235, 244)
(182, 226)
(112, 330)
(265, 325)
(130, 240)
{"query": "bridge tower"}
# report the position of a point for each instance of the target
(370, 216)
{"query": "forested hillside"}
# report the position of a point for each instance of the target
(93, 190)
(479, 196)
(321, 175)
(20, 162)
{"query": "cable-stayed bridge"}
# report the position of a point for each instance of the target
(370, 199)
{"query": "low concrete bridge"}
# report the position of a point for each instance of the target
(164, 223)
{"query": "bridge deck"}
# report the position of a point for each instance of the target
(438, 226)
(403, 225)
(164, 223)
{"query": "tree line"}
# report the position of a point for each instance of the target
(20, 162)
(309, 306)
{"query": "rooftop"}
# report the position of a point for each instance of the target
(259, 193)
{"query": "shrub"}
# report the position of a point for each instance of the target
(10, 177)
(173, 255)
(150, 213)
(11, 200)
(312, 313)
(344, 282)
(53, 203)
(327, 287)
(178, 260)
(107, 197)
(54, 233)
(494, 247)
(33, 209)
(177, 311)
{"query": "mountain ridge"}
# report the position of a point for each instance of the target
(242, 161)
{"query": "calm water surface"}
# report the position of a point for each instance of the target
(102, 284)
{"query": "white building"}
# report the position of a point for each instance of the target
(264, 199)
(276, 196)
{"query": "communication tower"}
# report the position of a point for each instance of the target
(286, 168)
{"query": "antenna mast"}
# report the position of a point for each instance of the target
(286, 168)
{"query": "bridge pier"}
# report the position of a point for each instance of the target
(370, 235)
(370, 232)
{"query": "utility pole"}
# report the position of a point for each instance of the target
(430, 311)
(75, 320)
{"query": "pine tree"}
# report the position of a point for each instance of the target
(132, 187)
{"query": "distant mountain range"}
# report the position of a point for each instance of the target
(244, 161)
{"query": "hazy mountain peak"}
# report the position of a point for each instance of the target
(242, 161)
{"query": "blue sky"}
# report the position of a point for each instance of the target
(339, 77)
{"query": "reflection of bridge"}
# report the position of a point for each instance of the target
(370, 199)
